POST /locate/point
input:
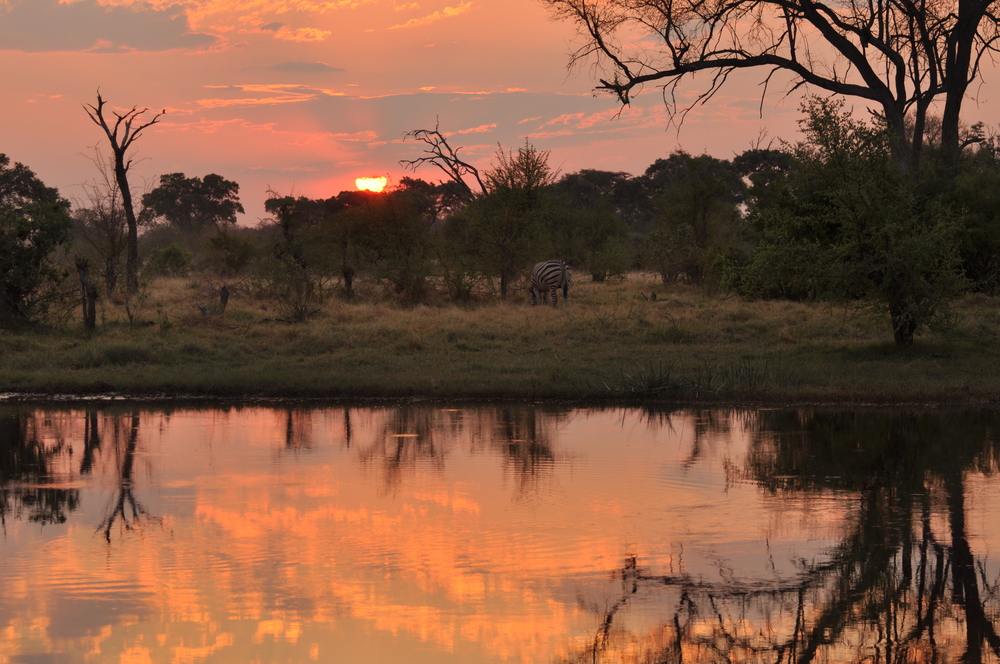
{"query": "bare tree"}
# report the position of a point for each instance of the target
(122, 132)
(101, 220)
(900, 56)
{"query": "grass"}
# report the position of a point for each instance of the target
(612, 342)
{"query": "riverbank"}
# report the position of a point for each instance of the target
(633, 340)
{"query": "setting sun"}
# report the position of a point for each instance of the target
(375, 183)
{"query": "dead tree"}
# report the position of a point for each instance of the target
(122, 132)
(440, 154)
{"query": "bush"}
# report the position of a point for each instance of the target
(169, 261)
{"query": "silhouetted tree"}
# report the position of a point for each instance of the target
(34, 222)
(900, 56)
(438, 153)
(193, 204)
(122, 131)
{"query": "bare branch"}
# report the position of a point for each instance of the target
(443, 156)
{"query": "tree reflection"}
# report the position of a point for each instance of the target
(25, 469)
(124, 508)
(902, 585)
(412, 435)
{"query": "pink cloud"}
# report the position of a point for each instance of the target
(447, 12)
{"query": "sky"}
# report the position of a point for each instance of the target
(301, 97)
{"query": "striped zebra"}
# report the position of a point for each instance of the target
(548, 277)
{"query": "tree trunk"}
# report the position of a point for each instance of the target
(957, 70)
(903, 324)
(88, 294)
(132, 251)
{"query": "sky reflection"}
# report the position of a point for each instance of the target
(498, 534)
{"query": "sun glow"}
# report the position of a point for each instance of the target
(374, 183)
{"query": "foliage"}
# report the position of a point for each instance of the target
(695, 214)
(586, 223)
(34, 222)
(398, 239)
(230, 254)
(974, 195)
(845, 224)
(193, 204)
(168, 261)
(507, 219)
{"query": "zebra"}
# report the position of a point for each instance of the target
(549, 276)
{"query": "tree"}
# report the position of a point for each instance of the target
(900, 56)
(508, 214)
(843, 224)
(100, 221)
(122, 132)
(193, 204)
(695, 214)
(34, 222)
(589, 231)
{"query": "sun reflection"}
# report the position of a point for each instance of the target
(374, 183)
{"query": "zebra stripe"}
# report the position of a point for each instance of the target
(549, 277)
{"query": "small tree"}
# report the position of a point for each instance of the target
(101, 224)
(34, 222)
(507, 218)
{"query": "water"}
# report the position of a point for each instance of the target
(497, 534)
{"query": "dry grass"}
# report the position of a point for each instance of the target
(613, 341)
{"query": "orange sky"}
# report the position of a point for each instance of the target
(303, 96)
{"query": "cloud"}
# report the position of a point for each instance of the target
(481, 129)
(251, 101)
(301, 34)
(447, 12)
(38, 26)
(305, 68)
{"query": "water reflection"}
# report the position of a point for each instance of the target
(902, 585)
(506, 533)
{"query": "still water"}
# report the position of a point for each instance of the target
(497, 534)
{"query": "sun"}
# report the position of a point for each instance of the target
(374, 183)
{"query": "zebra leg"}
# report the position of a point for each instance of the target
(534, 295)
(554, 294)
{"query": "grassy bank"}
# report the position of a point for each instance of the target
(613, 341)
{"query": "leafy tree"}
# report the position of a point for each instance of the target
(507, 218)
(845, 224)
(589, 231)
(34, 222)
(193, 204)
(975, 198)
(122, 132)
(695, 214)
(397, 237)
